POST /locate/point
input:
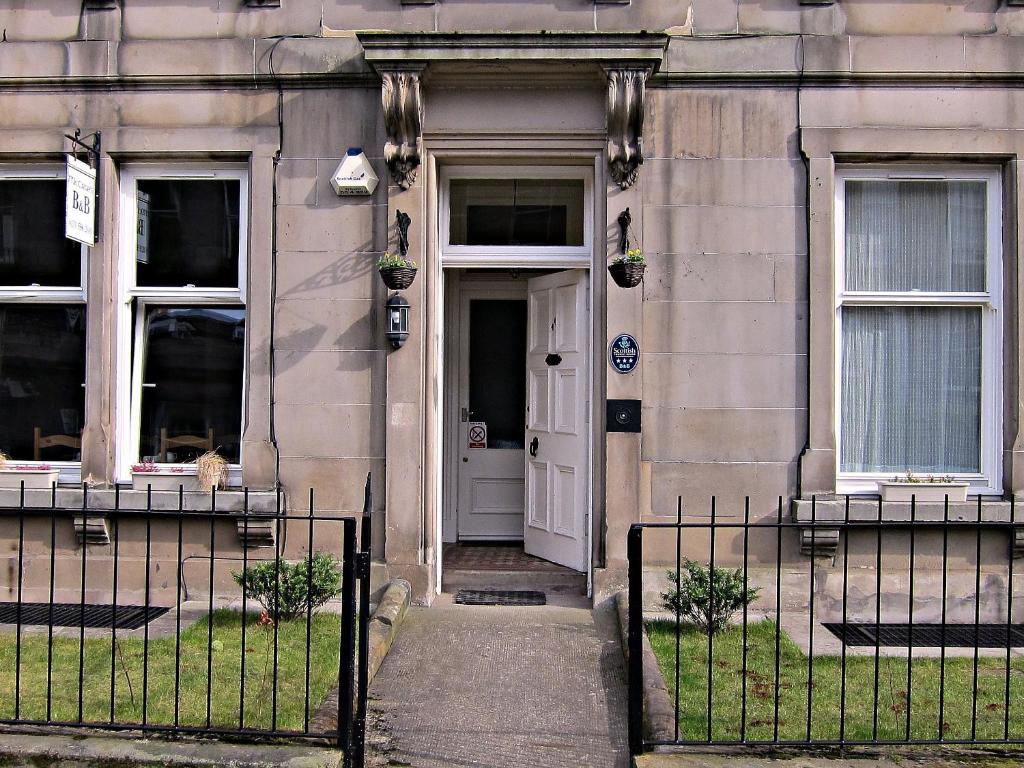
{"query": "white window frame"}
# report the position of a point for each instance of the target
(134, 299)
(70, 471)
(571, 256)
(989, 480)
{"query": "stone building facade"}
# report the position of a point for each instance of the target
(759, 146)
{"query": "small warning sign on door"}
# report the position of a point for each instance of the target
(477, 434)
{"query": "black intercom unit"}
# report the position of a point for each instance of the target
(623, 416)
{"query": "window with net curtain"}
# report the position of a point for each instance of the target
(911, 371)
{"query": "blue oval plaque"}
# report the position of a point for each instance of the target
(624, 353)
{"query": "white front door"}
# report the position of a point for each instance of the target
(556, 420)
(492, 398)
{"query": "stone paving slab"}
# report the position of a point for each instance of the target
(499, 686)
(36, 751)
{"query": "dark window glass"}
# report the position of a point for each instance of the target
(522, 212)
(192, 383)
(497, 369)
(187, 233)
(42, 370)
(33, 249)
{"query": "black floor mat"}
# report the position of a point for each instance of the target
(929, 635)
(499, 597)
(71, 615)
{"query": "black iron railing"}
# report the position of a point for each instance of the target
(184, 621)
(847, 622)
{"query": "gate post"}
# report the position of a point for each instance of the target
(634, 557)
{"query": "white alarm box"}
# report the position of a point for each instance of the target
(355, 175)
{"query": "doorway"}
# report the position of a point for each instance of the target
(517, 469)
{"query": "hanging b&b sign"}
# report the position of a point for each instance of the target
(80, 205)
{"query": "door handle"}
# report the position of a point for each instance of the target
(533, 446)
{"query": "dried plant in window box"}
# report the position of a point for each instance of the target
(211, 470)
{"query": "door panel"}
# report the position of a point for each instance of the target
(556, 493)
(491, 484)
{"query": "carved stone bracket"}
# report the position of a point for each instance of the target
(403, 120)
(1017, 542)
(255, 530)
(819, 541)
(626, 123)
(91, 528)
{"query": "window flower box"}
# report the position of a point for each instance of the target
(32, 475)
(923, 491)
(158, 478)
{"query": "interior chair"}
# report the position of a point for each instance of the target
(40, 443)
(184, 441)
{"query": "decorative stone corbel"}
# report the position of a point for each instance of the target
(403, 120)
(1017, 542)
(256, 530)
(626, 123)
(91, 528)
(819, 541)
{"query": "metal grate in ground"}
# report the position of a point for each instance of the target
(929, 635)
(72, 615)
(500, 597)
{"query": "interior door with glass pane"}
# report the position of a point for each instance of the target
(492, 402)
(556, 428)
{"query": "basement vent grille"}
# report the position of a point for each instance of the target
(929, 635)
(499, 597)
(72, 615)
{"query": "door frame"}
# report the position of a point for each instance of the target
(442, 165)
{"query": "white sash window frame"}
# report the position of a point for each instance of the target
(988, 481)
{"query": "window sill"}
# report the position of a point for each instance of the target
(254, 511)
(820, 520)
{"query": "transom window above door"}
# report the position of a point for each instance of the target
(918, 325)
(532, 216)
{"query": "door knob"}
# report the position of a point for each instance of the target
(533, 446)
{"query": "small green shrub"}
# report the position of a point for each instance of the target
(287, 590)
(705, 600)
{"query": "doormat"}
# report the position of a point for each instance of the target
(929, 635)
(499, 597)
(73, 615)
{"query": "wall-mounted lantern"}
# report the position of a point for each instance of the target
(398, 320)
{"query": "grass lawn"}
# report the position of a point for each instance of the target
(826, 690)
(224, 685)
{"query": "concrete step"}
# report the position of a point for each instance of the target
(568, 582)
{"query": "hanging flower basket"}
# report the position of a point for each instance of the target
(396, 271)
(398, 278)
(627, 274)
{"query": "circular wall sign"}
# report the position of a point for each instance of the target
(624, 353)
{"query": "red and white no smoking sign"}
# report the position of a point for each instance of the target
(477, 434)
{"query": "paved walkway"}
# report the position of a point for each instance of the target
(494, 686)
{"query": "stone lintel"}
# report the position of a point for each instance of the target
(385, 49)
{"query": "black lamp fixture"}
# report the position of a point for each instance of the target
(398, 320)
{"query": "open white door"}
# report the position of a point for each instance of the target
(556, 419)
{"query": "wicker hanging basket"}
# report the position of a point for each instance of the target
(627, 274)
(398, 278)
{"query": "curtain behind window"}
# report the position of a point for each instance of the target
(915, 235)
(911, 376)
